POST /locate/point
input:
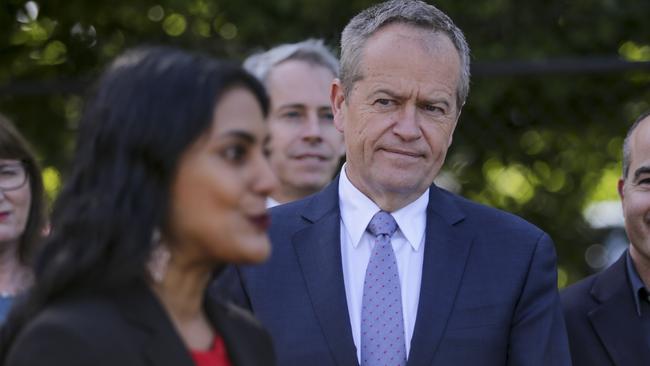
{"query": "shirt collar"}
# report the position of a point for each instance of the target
(638, 287)
(357, 210)
(270, 202)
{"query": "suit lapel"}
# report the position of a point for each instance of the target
(161, 343)
(319, 256)
(244, 345)
(446, 250)
(615, 320)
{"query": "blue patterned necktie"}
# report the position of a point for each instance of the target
(382, 324)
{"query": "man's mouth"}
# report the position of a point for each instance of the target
(406, 153)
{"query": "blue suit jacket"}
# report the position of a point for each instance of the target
(602, 322)
(488, 294)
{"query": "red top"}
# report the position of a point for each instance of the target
(216, 356)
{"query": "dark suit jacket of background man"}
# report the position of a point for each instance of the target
(488, 290)
(602, 321)
(131, 328)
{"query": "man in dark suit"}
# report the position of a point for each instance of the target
(384, 267)
(608, 314)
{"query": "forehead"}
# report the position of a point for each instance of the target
(238, 109)
(407, 53)
(297, 78)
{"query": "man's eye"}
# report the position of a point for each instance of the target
(327, 116)
(291, 115)
(433, 108)
(383, 102)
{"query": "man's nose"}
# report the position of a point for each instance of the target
(407, 124)
(311, 129)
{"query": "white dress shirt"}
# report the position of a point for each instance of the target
(356, 245)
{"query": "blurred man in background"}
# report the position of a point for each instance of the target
(608, 314)
(305, 147)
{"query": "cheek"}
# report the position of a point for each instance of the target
(333, 137)
(202, 200)
(22, 200)
(636, 206)
(439, 137)
(282, 137)
(210, 223)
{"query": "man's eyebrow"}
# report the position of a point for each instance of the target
(291, 106)
(387, 92)
(436, 101)
(641, 170)
(392, 94)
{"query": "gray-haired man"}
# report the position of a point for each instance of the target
(383, 267)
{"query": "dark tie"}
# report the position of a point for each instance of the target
(382, 325)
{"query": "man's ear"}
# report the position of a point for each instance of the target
(621, 184)
(337, 101)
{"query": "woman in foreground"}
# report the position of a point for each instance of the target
(168, 185)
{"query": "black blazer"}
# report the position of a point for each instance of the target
(602, 323)
(130, 328)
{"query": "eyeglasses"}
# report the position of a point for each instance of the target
(12, 176)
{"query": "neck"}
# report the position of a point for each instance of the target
(181, 289)
(14, 277)
(389, 201)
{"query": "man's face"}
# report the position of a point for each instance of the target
(399, 118)
(634, 190)
(305, 146)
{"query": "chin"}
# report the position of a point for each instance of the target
(395, 184)
(256, 252)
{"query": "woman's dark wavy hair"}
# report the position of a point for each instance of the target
(13, 146)
(149, 106)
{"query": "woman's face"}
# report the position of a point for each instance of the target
(15, 200)
(218, 210)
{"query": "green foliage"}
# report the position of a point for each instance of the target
(542, 145)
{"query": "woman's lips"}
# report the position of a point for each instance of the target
(262, 221)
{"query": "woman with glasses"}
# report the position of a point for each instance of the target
(168, 185)
(21, 213)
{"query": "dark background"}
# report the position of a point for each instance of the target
(555, 86)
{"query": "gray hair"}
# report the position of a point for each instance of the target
(627, 149)
(412, 12)
(312, 51)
